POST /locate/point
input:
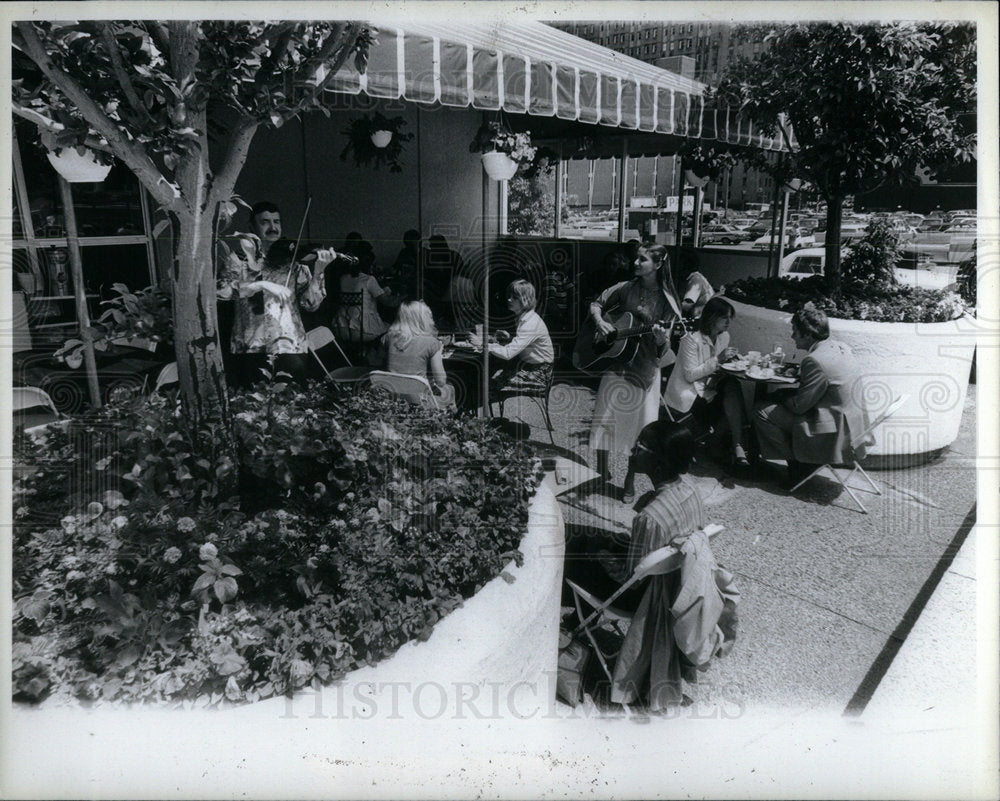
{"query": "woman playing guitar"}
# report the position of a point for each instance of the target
(629, 394)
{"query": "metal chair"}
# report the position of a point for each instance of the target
(893, 407)
(414, 388)
(27, 399)
(656, 563)
(540, 396)
(167, 376)
(319, 338)
(352, 310)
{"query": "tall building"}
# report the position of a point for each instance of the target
(698, 50)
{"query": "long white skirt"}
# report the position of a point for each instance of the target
(621, 412)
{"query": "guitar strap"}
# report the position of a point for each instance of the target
(673, 302)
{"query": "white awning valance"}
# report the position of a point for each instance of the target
(531, 68)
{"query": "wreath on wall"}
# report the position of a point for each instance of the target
(376, 140)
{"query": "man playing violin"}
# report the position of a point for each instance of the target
(269, 292)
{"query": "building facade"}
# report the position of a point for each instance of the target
(701, 51)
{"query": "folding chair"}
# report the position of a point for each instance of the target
(352, 304)
(656, 563)
(319, 338)
(167, 376)
(34, 408)
(540, 396)
(863, 436)
(414, 388)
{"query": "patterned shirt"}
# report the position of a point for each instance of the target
(262, 323)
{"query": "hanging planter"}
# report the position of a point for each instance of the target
(381, 138)
(499, 166)
(504, 153)
(78, 168)
(376, 140)
(694, 179)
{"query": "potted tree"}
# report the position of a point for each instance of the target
(860, 106)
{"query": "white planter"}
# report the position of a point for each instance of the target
(77, 169)
(928, 362)
(381, 138)
(499, 166)
(500, 647)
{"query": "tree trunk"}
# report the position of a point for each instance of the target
(196, 339)
(834, 214)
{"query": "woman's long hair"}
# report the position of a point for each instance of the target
(414, 319)
(664, 276)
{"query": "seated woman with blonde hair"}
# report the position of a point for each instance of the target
(529, 354)
(413, 348)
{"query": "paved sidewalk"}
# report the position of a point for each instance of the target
(824, 588)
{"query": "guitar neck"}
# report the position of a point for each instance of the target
(638, 330)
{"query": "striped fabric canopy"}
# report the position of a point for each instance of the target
(531, 68)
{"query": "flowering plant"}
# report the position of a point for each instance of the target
(492, 136)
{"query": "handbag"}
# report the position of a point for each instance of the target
(574, 657)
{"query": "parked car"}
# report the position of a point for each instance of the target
(795, 239)
(914, 269)
(718, 233)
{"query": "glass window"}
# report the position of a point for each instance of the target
(111, 223)
(110, 208)
(531, 205)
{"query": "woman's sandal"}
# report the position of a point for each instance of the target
(739, 459)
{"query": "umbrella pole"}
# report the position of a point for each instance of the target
(80, 293)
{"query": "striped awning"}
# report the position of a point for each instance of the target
(531, 68)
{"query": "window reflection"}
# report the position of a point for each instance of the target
(109, 208)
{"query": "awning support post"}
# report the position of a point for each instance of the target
(622, 187)
(80, 292)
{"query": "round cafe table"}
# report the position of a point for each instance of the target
(754, 387)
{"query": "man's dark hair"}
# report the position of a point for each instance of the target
(672, 446)
(263, 205)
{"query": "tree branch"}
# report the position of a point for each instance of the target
(165, 193)
(158, 33)
(234, 158)
(346, 47)
(45, 124)
(119, 69)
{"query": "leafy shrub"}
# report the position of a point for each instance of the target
(362, 521)
(871, 260)
(869, 289)
(878, 302)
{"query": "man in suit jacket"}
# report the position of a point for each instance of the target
(823, 420)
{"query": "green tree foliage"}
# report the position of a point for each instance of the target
(531, 205)
(868, 103)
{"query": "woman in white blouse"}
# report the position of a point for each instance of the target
(529, 354)
(697, 384)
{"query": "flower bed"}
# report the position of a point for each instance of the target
(362, 521)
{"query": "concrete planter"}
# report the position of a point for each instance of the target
(494, 655)
(929, 362)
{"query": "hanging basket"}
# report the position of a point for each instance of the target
(381, 138)
(77, 169)
(499, 166)
(695, 180)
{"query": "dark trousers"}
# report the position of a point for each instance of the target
(246, 367)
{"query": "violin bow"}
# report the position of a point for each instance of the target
(298, 240)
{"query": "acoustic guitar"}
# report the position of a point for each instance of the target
(594, 353)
